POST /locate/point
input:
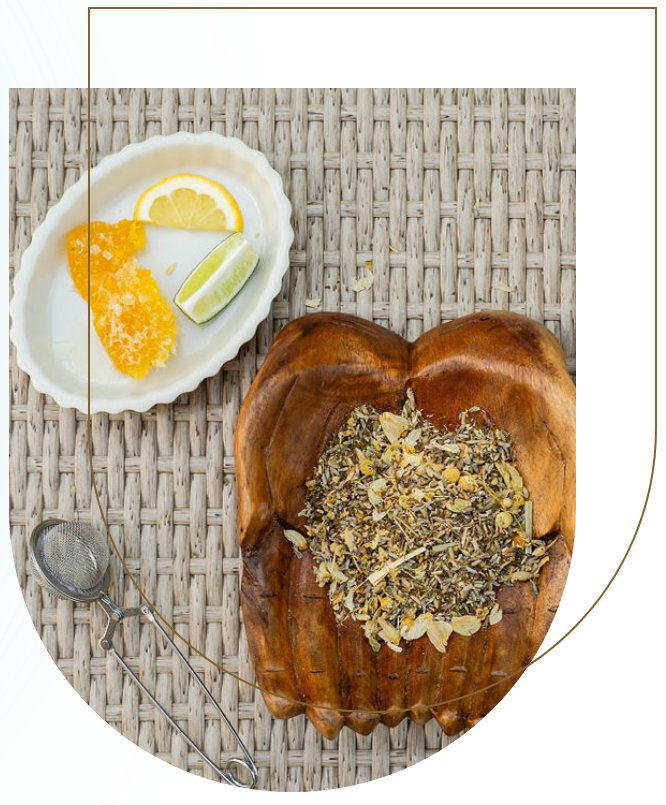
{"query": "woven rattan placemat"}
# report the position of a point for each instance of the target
(447, 192)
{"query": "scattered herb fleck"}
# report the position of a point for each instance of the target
(359, 284)
(414, 529)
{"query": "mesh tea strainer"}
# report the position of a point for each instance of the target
(72, 560)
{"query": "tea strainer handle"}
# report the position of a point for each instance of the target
(116, 614)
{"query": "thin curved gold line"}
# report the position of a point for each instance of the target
(397, 709)
(281, 696)
(328, 707)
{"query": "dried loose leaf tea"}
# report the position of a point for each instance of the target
(414, 529)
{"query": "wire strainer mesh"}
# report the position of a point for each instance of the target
(70, 557)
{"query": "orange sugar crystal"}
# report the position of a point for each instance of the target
(110, 246)
(133, 320)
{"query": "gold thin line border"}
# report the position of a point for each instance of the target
(200, 653)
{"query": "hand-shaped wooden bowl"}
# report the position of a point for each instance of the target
(320, 368)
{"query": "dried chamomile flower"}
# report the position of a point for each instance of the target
(466, 625)
(495, 615)
(438, 633)
(418, 628)
(414, 529)
(393, 426)
(296, 539)
(359, 284)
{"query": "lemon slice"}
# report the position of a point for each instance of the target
(217, 279)
(187, 201)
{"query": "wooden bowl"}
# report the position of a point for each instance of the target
(319, 368)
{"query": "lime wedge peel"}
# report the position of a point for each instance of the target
(217, 279)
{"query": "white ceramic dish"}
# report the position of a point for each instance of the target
(49, 318)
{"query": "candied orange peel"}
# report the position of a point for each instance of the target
(131, 317)
(110, 246)
(133, 320)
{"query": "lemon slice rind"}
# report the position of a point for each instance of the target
(189, 201)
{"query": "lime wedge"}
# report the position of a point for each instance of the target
(217, 279)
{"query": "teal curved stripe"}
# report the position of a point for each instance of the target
(150, 783)
(104, 772)
(243, 46)
(197, 44)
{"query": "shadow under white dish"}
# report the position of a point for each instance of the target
(49, 316)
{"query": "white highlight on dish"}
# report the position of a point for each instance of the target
(46, 307)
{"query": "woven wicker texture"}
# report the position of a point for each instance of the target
(451, 194)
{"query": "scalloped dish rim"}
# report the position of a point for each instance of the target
(19, 332)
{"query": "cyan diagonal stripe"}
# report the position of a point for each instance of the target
(149, 785)
(104, 772)
(197, 44)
